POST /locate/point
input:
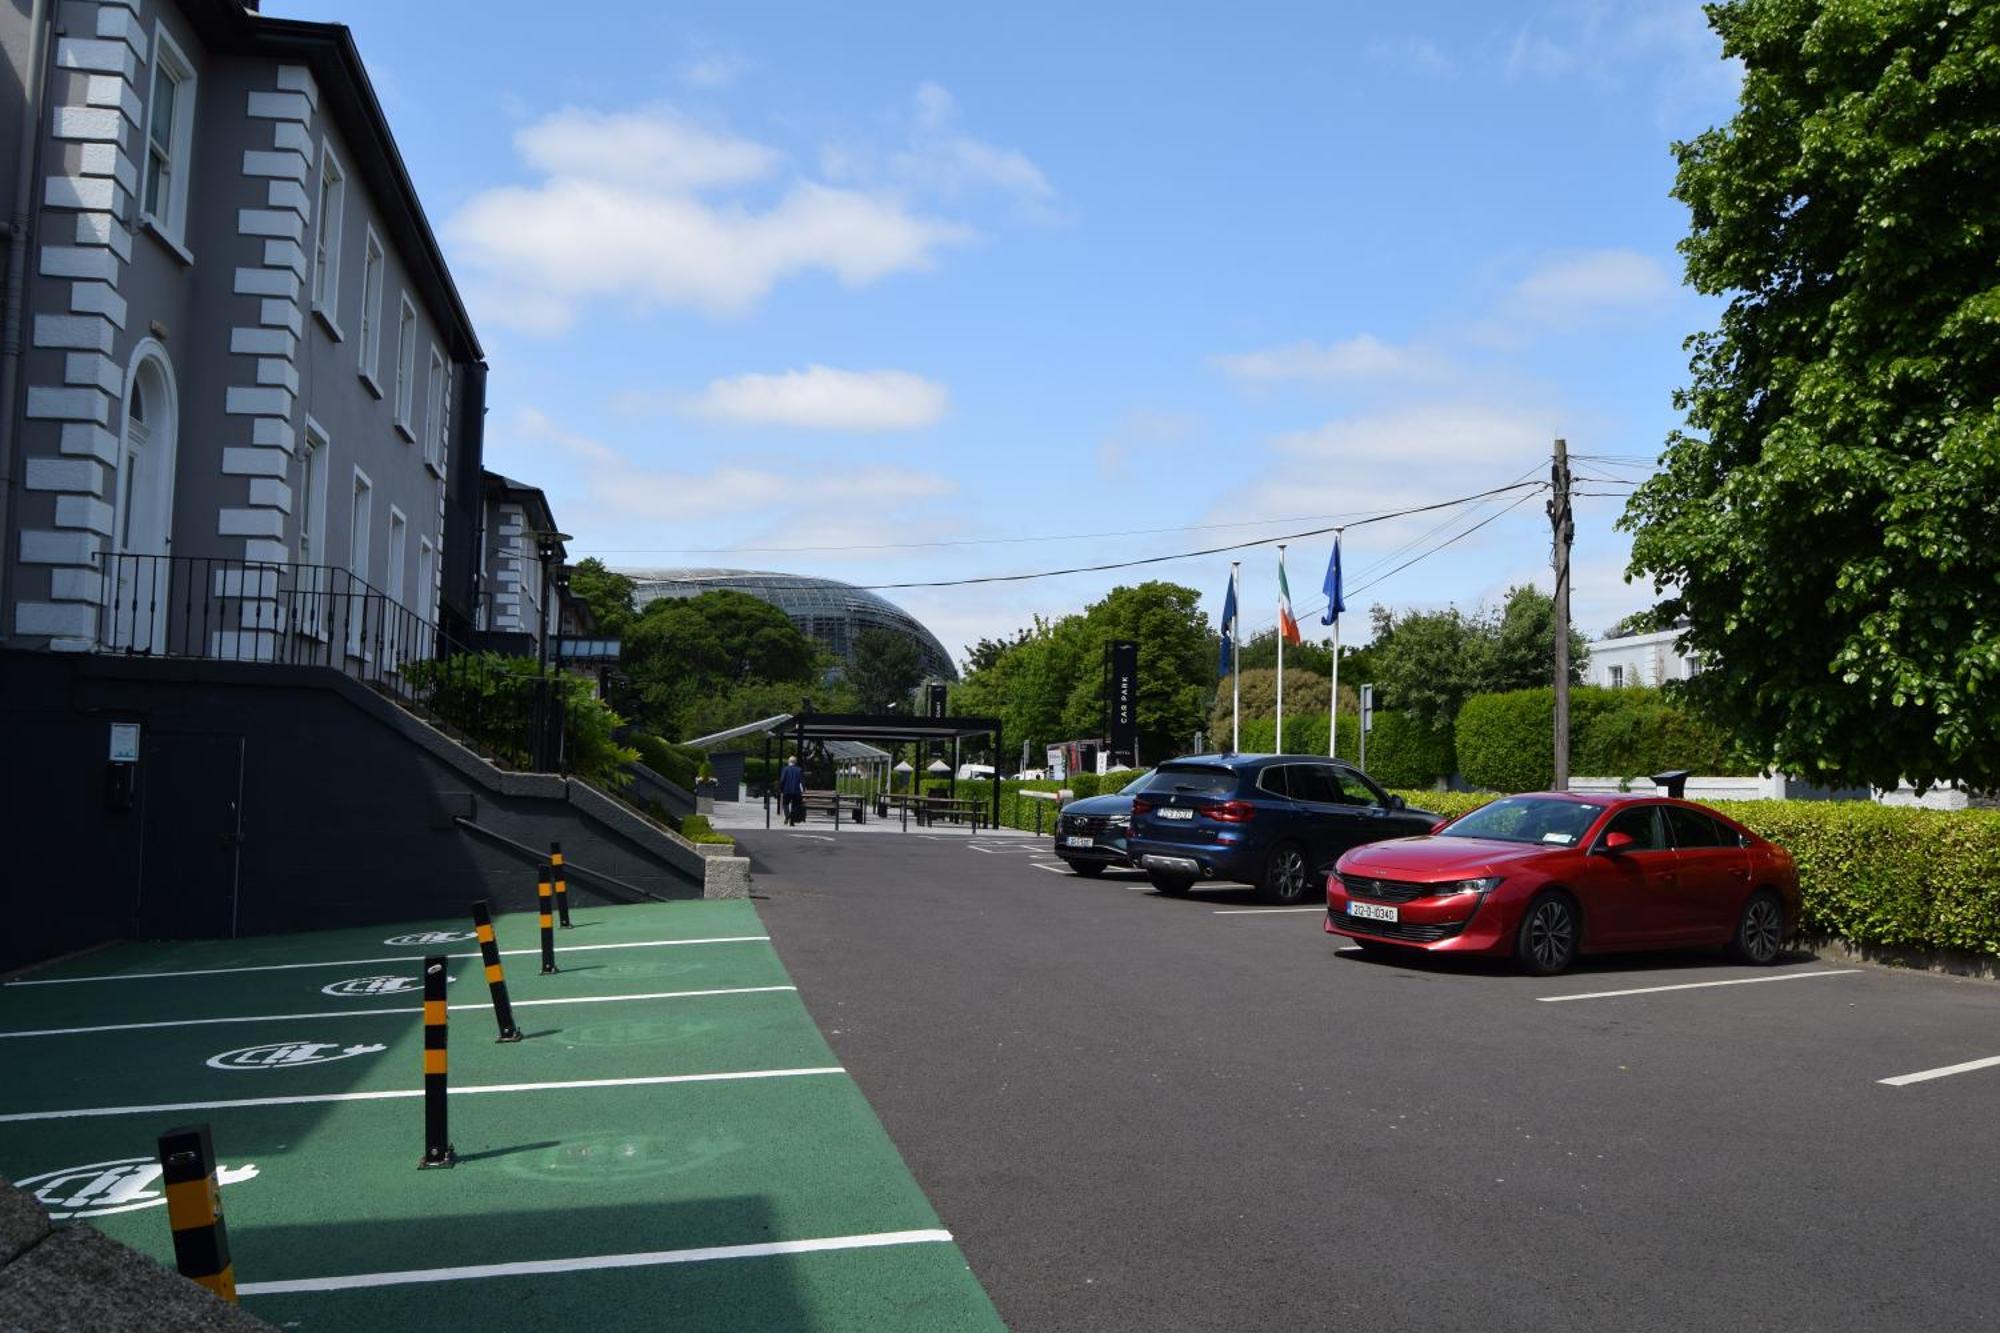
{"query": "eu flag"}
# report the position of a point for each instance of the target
(1335, 603)
(1228, 626)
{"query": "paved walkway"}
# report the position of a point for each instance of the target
(745, 816)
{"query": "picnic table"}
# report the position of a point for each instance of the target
(932, 809)
(834, 804)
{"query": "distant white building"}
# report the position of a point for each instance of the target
(1639, 659)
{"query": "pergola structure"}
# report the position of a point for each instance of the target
(890, 731)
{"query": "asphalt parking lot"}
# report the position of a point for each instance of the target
(1136, 1112)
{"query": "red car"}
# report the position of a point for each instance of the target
(1545, 877)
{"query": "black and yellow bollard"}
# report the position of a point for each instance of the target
(194, 1210)
(496, 980)
(542, 893)
(437, 1133)
(562, 884)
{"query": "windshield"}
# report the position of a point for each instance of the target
(1534, 819)
(1136, 785)
(1194, 781)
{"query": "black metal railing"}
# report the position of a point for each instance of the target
(218, 609)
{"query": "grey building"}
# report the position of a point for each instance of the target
(523, 596)
(236, 372)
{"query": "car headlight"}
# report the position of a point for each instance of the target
(1486, 885)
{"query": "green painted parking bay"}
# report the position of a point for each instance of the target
(646, 1158)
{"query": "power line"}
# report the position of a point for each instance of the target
(1191, 555)
(968, 541)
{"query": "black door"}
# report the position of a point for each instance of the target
(193, 823)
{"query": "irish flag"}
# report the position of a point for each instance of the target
(1288, 624)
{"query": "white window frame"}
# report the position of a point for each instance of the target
(314, 455)
(169, 222)
(327, 227)
(360, 524)
(393, 582)
(374, 267)
(425, 608)
(1617, 674)
(434, 412)
(406, 365)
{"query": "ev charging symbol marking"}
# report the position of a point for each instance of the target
(289, 1054)
(429, 937)
(118, 1186)
(365, 987)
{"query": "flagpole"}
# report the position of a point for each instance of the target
(1333, 703)
(1235, 669)
(1278, 728)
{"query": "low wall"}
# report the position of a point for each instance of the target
(271, 798)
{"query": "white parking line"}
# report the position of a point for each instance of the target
(1262, 911)
(591, 1262)
(1926, 1075)
(1698, 985)
(372, 1013)
(398, 1094)
(356, 962)
(1053, 870)
(816, 837)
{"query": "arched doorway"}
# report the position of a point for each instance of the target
(143, 508)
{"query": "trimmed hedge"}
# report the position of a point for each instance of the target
(1503, 740)
(1403, 752)
(1884, 875)
(696, 828)
(679, 764)
(1305, 733)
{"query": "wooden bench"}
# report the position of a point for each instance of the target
(835, 805)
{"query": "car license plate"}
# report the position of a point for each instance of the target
(1176, 814)
(1371, 911)
(1079, 842)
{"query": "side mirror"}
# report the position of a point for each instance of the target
(1617, 842)
(1398, 803)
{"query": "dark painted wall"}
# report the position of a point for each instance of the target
(266, 799)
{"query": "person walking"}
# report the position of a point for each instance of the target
(792, 790)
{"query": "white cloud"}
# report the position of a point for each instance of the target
(656, 148)
(627, 212)
(1578, 289)
(823, 398)
(1143, 429)
(1363, 356)
(629, 501)
(1409, 55)
(709, 70)
(940, 159)
(1665, 46)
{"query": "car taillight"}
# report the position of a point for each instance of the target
(1232, 812)
(1140, 805)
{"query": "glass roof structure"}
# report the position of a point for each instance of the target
(828, 610)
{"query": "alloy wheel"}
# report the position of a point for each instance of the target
(1288, 875)
(1762, 930)
(1551, 935)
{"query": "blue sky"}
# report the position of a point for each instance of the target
(868, 275)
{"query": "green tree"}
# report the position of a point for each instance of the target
(1428, 663)
(680, 650)
(1260, 653)
(607, 594)
(884, 669)
(1523, 649)
(1826, 520)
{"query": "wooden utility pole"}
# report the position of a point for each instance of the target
(1563, 526)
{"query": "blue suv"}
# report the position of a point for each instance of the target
(1275, 821)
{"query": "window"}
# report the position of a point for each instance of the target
(1693, 829)
(169, 138)
(311, 510)
(399, 550)
(1353, 788)
(371, 310)
(423, 603)
(434, 413)
(1648, 830)
(1313, 784)
(1617, 677)
(406, 364)
(326, 236)
(360, 526)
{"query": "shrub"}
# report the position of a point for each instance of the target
(679, 764)
(1450, 804)
(1899, 877)
(1404, 752)
(1504, 741)
(1305, 733)
(490, 698)
(696, 828)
